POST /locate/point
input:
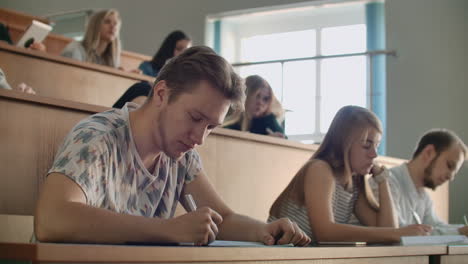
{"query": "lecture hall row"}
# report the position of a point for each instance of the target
(35, 125)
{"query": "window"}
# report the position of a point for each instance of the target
(310, 89)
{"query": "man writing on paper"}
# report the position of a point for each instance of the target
(438, 156)
(119, 174)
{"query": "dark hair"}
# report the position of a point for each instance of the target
(166, 51)
(201, 63)
(441, 139)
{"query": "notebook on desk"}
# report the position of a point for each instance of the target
(433, 240)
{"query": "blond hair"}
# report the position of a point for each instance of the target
(253, 85)
(92, 37)
(350, 123)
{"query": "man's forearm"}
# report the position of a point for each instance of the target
(240, 228)
(77, 222)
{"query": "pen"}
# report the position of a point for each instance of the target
(190, 203)
(417, 218)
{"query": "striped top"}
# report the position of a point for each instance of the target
(343, 203)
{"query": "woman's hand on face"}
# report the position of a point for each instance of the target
(377, 169)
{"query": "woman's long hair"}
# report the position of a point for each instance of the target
(92, 38)
(166, 51)
(253, 85)
(350, 123)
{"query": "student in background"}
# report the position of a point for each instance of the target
(120, 174)
(329, 187)
(174, 44)
(101, 43)
(262, 110)
(438, 157)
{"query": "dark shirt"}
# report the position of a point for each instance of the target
(5, 34)
(138, 89)
(260, 124)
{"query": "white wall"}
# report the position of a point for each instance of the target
(427, 84)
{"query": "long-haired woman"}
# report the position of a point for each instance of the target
(329, 188)
(263, 112)
(174, 44)
(101, 42)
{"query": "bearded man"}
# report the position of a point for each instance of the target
(438, 157)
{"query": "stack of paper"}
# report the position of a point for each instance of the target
(433, 240)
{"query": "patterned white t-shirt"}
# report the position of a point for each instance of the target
(99, 154)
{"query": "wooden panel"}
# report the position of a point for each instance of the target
(250, 175)
(454, 259)
(16, 228)
(64, 78)
(48, 252)
(30, 135)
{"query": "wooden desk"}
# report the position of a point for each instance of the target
(64, 253)
(457, 254)
(64, 78)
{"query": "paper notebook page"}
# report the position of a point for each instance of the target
(433, 240)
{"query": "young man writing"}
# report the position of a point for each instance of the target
(438, 157)
(120, 174)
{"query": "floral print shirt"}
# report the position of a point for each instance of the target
(100, 155)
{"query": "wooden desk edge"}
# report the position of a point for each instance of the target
(69, 61)
(117, 253)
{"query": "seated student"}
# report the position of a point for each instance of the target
(101, 43)
(137, 93)
(438, 156)
(174, 44)
(120, 174)
(262, 110)
(329, 187)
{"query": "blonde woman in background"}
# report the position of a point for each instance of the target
(330, 186)
(262, 113)
(101, 43)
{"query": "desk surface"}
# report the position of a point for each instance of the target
(116, 253)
